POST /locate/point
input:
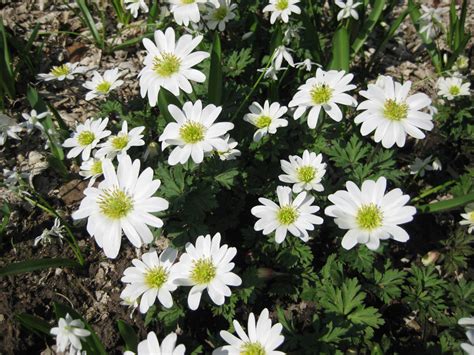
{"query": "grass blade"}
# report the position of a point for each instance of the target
(215, 72)
(89, 21)
(33, 323)
(129, 335)
(369, 25)
(391, 32)
(166, 98)
(442, 206)
(38, 264)
(340, 50)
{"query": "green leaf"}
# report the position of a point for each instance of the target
(446, 205)
(38, 264)
(227, 178)
(215, 73)
(369, 25)
(166, 98)
(129, 335)
(89, 21)
(33, 323)
(340, 50)
(391, 32)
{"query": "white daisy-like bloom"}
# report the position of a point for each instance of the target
(86, 137)
(431, 19)
(8, 128)
(325, 91)
(307, 64)
(451, 88)
(271, 72)
(217, 17)
(185, 11)
(32, 120)
(282, 9)
(101, 86)
(121, 142)
(281, 52)
(123, 201)
(150, 278)
(194, 133)
(91, 169)
(151, 346)
(168, 64)
(295, 216)
(468, 217)
(262, 338)
(468, 323)
(392, 113)
(207, 266)
(230, 153)
(61, 72)
(135, 5)
(370, 214)
(266, 118)
(348, 9)
(305, 173)
(69, 333)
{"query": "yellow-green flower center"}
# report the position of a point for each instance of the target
(203, 271)
(187, 2)
(287, 215)
(281, 5)
(166, 65)
(395, 111)
(369, 217)
(115, 204)
(119, 142)
(220, 13)
(471, 216)
(192, 132)
(60, 70)
(103, 87)
(454, 90)
(252, 349)
(96, 168)
(263, 121)
(306, 173)
(85, 138)
(321, 94)
(155, 278)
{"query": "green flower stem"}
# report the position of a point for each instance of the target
(442, 206)
(433, 190)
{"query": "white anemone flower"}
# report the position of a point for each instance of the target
(122, 142)
(207, 265)
(61, 72)
(101, 86)
(266, 118)
(91, 169)
(282, 9)
(168, 64)
(262, 337)
(348, 9)
(135, 5)
(281, 52)
(370, 214)
(123, 201)
(468, 323)
(451, 88)
(8, 128)
(185, 11)
(305, 173)
(194, 133)
(468, 217)
(217, 17)
(86, 137)
(295, 216)
(325, 91)
(151, 346)
(69, 333)
(392, 113)
(230, 153)
(32, 120)
(151, 277)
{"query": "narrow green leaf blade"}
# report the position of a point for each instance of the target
(446, 205)
(369, 25)
(90, 23)
(340, 50)
(38, 264)
(33, 323)
(215, 72)
(166, 98)
(129, 335)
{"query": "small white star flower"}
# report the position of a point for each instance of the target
(101, 86)
(267, 118)
(91, 169)
(61, 72)
(8, 128)
(325, 91)
(135, 5)
(282, 9)
(69, 333)
(431, 20)
(281, 52)
(194, 133)
(451, 88)
(32, 120)
(468, 217)
(151, 346)
(130, 303)
(168, 64)
(123, 201)
(151, 277)
(348, 9)
(307, 64)
(419, 167)
(392, 113)
(295, 216)
(207, 265)
(230, 153)
(305, 173)
(262, 337)
(270, 72)
(370, 214)
(122, 142)
(185, 11)
(86, 137)
(12, 177)
(56, 231)
(217, 17)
